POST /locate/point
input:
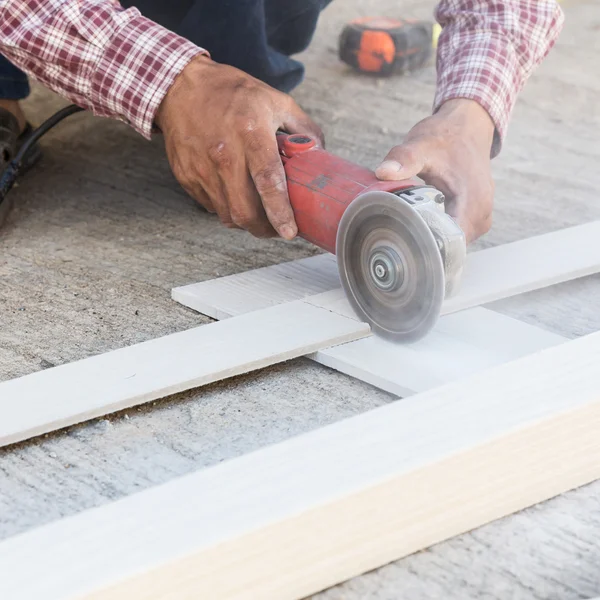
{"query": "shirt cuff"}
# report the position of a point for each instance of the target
(136, 71)
(484, 69)
(488, 50)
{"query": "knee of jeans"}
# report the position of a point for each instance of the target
(292, 29)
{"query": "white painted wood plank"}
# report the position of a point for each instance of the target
(489, 275)
(460, 345)
(449, 351)
(527, 265)
(75, 392)
(300, 516)
(252, 290)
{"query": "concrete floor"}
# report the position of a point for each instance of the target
(101, 232)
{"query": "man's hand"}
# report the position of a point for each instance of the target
(451, 151)
(220, 129)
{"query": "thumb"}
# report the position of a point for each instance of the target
(402, 162)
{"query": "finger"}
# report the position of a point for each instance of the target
(295, 120)
(245, 206)
(470, 227)
(268, 175)
(197, 193)
(471, 211)
(403, 162)
(222, 207)
(190, 177)
(225, 180)
(212, 197)
(473, 223)
(235, 191)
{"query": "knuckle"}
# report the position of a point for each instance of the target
(407, 154)
(250, 126)
(247, 124)
(246, 85)
(254, 143)
(219, 154)
(269, 180)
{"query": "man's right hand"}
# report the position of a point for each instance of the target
(220, 126)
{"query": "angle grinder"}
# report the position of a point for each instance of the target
(399, 254)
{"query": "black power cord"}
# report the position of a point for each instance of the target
(12, 170)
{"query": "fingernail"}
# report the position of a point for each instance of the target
(391, 166)
(287, 232)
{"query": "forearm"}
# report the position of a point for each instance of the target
(111, 61)
(488, 50)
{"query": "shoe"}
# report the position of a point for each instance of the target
(9, 134)
(11, 141)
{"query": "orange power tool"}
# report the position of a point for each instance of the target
(383, 46)
(398, 253)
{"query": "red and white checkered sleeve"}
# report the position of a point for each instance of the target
(111, 61)
(487, 51)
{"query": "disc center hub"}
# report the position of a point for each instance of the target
(386, 269)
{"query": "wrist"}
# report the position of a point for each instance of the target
(470, 117)
(194, 69)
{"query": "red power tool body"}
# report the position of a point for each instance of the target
(321, 186)
(398, 253)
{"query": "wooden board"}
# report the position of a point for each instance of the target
(85, 389)
(460, 345)
(252, 290)
(300, 516)
(489, 275)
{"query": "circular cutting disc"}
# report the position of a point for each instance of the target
(390, 266)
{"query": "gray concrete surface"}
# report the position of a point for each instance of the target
(101, 232)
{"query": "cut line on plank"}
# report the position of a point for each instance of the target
(61, 396)
(297, 517)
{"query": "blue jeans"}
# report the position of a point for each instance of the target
(256, 36)
(13, 82)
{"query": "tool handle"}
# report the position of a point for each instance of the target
(322, 185)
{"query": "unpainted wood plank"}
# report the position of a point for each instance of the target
(302, 515)
(96, 386)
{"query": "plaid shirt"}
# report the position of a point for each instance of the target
(487, 51)
(116, 63)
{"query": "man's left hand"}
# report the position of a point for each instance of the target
(451, 151)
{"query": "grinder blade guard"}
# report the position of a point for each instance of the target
(399, 255)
